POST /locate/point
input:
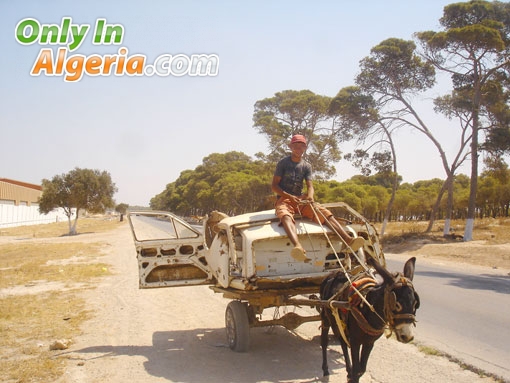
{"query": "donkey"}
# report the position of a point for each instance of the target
(367, 308)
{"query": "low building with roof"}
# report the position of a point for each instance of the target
(19, 205)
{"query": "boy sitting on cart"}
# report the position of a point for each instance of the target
(287, 183)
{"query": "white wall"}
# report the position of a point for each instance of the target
(22, 215)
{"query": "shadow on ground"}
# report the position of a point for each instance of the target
(192, 355)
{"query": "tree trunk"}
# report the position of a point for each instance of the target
(435, 208)
(70, 225)
(449, 210)
(69, 214)
(473, 185)
(470, 221)
(387, 214)
(394, 186)
(72, 230)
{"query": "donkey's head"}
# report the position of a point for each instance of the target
(400, 299)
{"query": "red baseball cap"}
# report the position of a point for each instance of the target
(298, 138)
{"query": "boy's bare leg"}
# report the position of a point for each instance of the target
(298, 252)
(353, 243)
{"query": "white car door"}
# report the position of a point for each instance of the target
(170, 252)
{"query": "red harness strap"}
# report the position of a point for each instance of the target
(357, 288)
(355, 300)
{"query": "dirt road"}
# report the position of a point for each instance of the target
(178, 335)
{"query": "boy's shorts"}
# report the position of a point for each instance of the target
(286, 206)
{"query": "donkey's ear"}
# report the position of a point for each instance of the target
(409, 268)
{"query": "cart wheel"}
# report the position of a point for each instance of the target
(238, 326)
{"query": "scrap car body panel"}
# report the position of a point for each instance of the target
(247, 258)
(259, 253)
(246, 252)
(169, 251)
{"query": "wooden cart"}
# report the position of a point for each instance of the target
(247, 259)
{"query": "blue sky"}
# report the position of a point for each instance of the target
(146, 130)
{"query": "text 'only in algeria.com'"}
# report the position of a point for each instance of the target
(29, 31)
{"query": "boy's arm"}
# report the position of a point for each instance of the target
(275, 187)
(309, 190)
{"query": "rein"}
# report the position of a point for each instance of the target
(342, 326)
(356, 297)
(346, 274)
(367, 270)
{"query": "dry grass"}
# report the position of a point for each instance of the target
(66, 262)
(496, 230)
(28, 324)
(490, 246)
(30, 320)
(85, 225)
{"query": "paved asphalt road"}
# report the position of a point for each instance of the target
(465, 312)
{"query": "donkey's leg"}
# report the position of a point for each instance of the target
(353, 375)
(365, 353)
(324, 346)
(347, 359)
(345, 347)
